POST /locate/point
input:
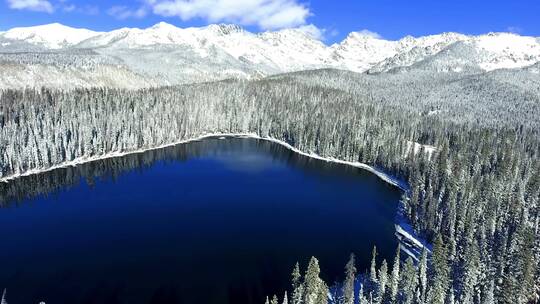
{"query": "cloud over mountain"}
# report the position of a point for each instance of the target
(31, 5)
(266, 14)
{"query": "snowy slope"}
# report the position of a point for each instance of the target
(535, 68)
(171, 55)
(280, 51)
(458, 53)
(52, 36)
(358, 52)
(83, 68)
(506, 51)
(410, 50)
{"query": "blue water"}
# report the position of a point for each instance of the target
(215, 221)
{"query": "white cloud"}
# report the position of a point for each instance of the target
(514, 29)
(313, 31)
(31, 5)
(370, 33)
(318, 33)
(69, 8)
(123, 12)
(92, 10)
(266, 14)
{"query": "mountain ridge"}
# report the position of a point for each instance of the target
(172, 55)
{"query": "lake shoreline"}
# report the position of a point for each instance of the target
(411, 243)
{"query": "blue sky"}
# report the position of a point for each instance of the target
(332, 19)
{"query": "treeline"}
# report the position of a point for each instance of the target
(477, 196)
(404, 281)
(80, 59)
(48, 183)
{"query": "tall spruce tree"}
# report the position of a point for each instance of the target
(348, 285)
(297, 286)
(285, 299)
(373, 267)
(383, 282)
(394, 280)
(440, 276)
(314, 286)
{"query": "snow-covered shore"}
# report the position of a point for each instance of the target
(409, 241)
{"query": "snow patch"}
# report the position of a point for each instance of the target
(429, 150)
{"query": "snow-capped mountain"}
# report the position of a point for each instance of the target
(410, 50)
(359, 51)
(452, 52)
(167, 54)
(504, 50)
(284, 50)
(52, 36)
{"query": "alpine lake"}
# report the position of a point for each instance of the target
(219, 220)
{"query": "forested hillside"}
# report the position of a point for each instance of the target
(475, 197)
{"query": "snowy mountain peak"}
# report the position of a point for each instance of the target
(222, 50)
(54, 35)
(225, 29)
(363, 35)
(163, 26)
(287, 35)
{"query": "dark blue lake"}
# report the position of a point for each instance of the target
(213, 221)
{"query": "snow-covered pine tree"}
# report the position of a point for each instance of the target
(373, 267)
(383, 282)
(394, 280)
(350, 277)
(297, 285)
(315, 290)
(422, 276)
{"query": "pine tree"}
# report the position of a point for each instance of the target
(361, 296)
(471, 273)
(527, 266)
(348, 285)
(297, 286)
(3, 300)
(322, 294)
(408, 282)
(312, 282)
(394, 281)
(383, 281)
(422, 276)
(274, 300)
(373, 268)
(285, 299)
(489, 295)
(440, 276)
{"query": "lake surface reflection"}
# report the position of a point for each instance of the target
(213, 221)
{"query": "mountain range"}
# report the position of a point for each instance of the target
(59, 56)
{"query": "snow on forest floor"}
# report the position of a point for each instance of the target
(419, 147)
(410, 243)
